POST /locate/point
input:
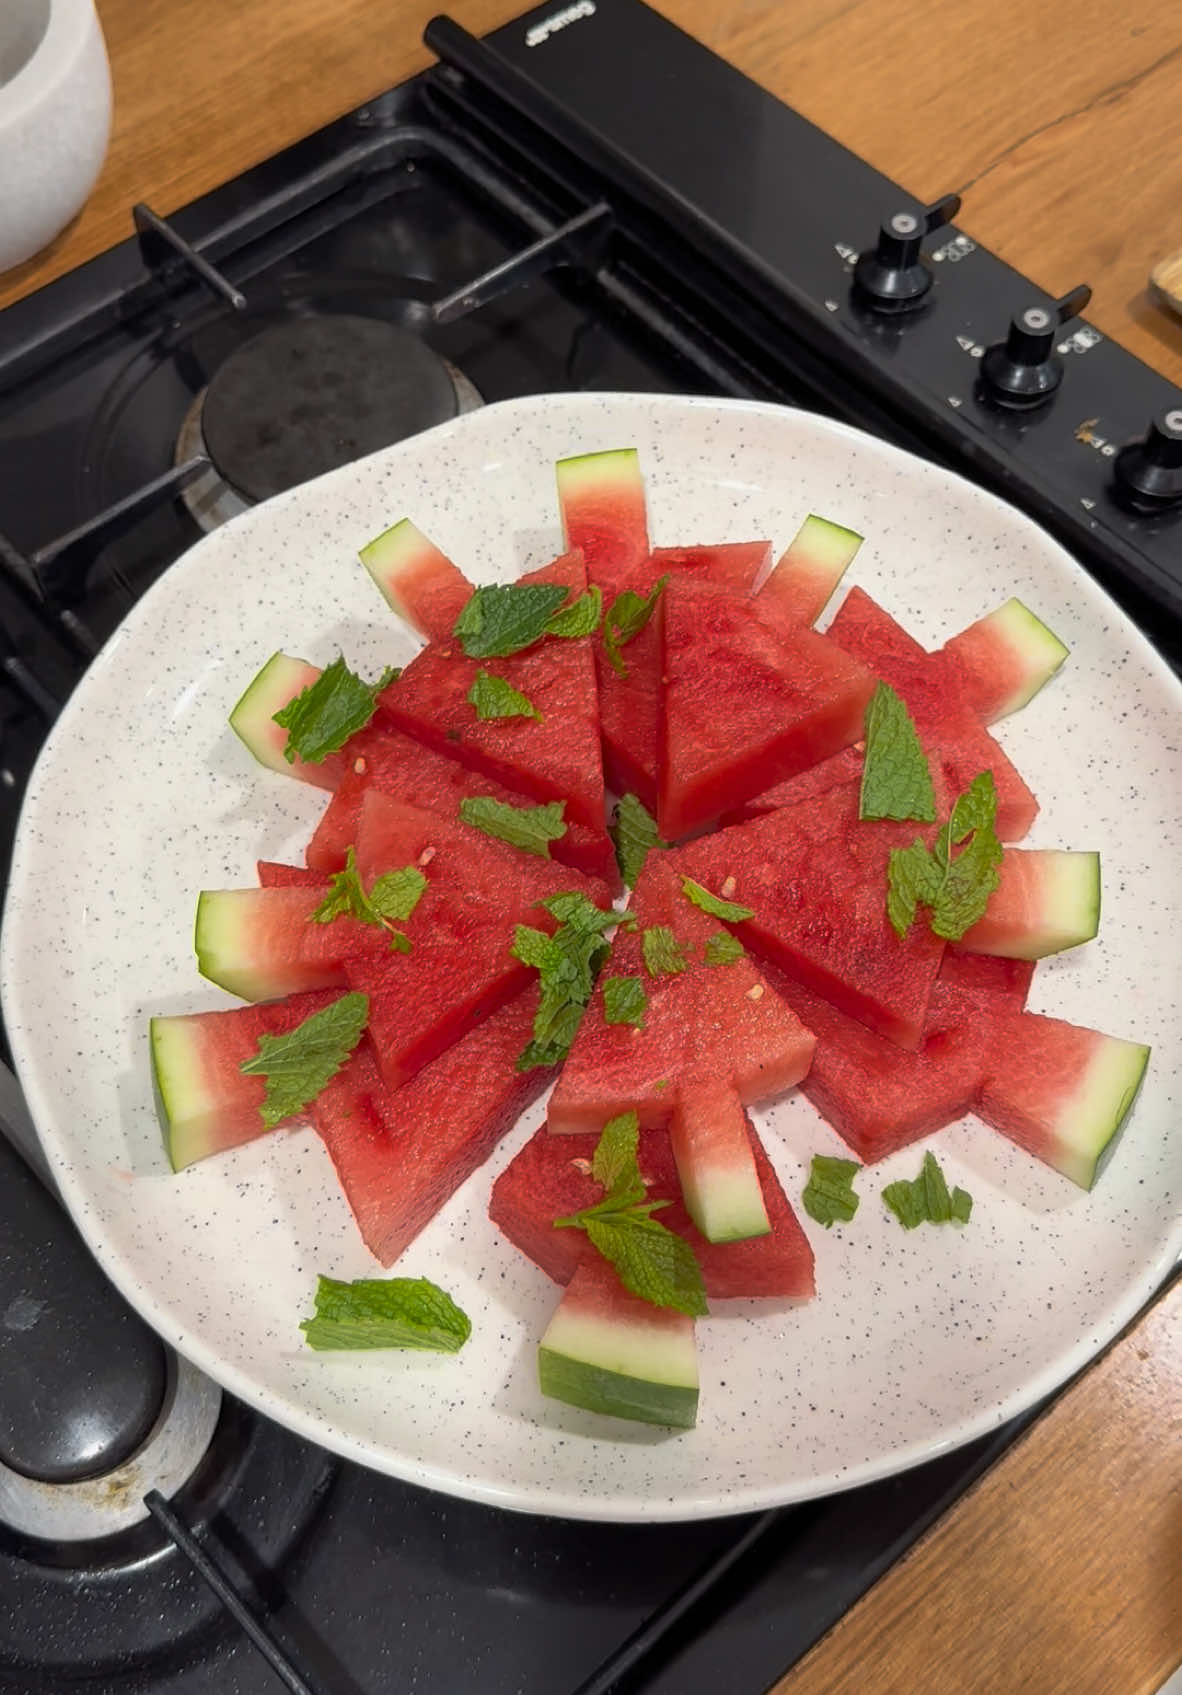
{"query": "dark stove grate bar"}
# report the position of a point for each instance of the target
(163, 249)
(578, 242)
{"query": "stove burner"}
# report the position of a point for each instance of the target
(317, 392)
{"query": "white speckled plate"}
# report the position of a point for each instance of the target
(916, 1342)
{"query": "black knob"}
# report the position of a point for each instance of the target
(894, 278)
(1024, 370)
(1148, 473)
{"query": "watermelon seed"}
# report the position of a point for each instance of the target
(728, 887)
(755, 992)
(359, 767)
(583, 1165)
(427, 855)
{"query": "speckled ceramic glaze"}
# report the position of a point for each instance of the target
(916, 1341)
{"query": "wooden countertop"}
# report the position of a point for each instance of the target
(1062, 1569)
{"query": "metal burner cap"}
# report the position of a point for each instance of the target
(317, 392)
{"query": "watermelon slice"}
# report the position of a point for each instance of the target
(261, 944)
(382, 758)
(1002, 661)
(551, 1178)
(951, 733)
(461, 970)
(400, 1153)
(601, 499)
(275, 876)
(1061, 1092)
(417, 581)
(609, 1352)
(1047, 900)
(713, 1037)
(253, 721)
(815, 879)
(746, 700)
(205, 1103)
(556, 758)
(809, 570)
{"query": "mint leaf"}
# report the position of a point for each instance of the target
(955, 889)
(381, 1312)
(896, 781)
(913, 877)
(626, 617)
(530, 946)
(717, 908)
(723, 949)
(394, 896)
(828, 1195)
(925, 1199)
(345, 897)
(634, 831)
(301, 1062)
(663, 953)
(935, 1191)
(906, 1201)
(493, 697)
(567, 964)
(531, 828)
(322, 717)
(498, 620)
(624, 1001)
(613, 1163)
(961, 1206)
(650, 1260)
(580, 618)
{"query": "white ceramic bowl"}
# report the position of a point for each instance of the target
(55, 119)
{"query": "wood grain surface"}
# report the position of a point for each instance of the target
(1062, 1570)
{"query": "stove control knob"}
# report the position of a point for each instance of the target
(1024, 370)
(893, 278)
(1148, 472)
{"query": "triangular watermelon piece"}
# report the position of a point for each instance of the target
(602, 504)
(382, 758)
(551, 1178)
(713, 1037)
(556, 758)
(746, 699)
(275, 876)
(461, 969)
(815, 878)
(401, 1153)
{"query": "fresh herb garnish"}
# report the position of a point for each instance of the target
(567, 964)
(828, 1195)
(390, 901)
(650, 1261)
(925, 1199)
(896, 781)
(580, 618)
(624, 1000)
(386, 1312)
(493, 697)
(626, 617)
(663, 953)
(531, 828)
(322, 717)
(634, 831)
(501, 620)
(300, 1063)
(727, 910)
(956, 890)
(723, 949)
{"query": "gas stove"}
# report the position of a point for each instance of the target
(534, 213)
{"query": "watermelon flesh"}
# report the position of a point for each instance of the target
(745, 700)
(1001, 662)
(551, 1178)
(382, 758)
(815, 879)
(275, 876)
(1047, 900)
(263, 943)
(557, 758)
(609, 1352)
(401, 1153)
(253, 721)
(206, 1105)
(417, 581)
(602, 504)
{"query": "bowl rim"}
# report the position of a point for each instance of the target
(66, 36)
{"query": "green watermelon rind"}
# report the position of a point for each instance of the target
(189, 1130)
(1010, 635)
(1069, 914)
(221, 943)
(1091, 1123)
(253, 718)
(388, 556)
(621, 1368)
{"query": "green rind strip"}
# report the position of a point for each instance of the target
(614, 1394)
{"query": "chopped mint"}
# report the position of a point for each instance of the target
(493, 697)
(956, 890)
(896, 781)
(723, 949)
(650, 1261)
(925, 1199)
(634, 831)
(567, 964)
(322, 717)
(531, 828)
(303, 1061)
(717, 908)
(580, 618)
(828, 1195)
(499, 620)
(663, 953)
(386, 1312)
(626, 617)
(624, 1000)
(393, 898)
(532, 947)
